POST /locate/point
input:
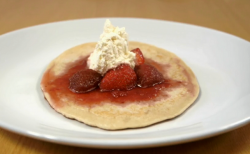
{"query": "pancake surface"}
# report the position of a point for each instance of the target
(107, 112)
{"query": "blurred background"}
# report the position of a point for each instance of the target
(231, 16)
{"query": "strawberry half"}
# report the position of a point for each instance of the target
(139, 59)
(84, 81)
(122, 77)
(148, 76)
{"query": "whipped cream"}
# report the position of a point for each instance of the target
(111, 50)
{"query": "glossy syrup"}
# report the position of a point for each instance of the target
(57, 87)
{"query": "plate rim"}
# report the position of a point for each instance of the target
(135, 18)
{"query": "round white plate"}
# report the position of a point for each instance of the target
(219, 60)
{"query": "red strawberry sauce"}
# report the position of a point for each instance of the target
(58, 86)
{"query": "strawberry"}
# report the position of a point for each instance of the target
(139, 59)
(84, 81)
(122, 77)
(148, 76)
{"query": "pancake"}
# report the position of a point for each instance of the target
(132, 110)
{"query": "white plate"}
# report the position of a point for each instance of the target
(219, 60)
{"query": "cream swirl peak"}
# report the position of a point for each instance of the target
(112, 50)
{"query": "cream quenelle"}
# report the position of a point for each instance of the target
(112, 50)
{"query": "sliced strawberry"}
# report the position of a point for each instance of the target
(84, 81)
(139, 59)
(122, 77)
(148, 76)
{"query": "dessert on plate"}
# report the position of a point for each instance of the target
(116, 84)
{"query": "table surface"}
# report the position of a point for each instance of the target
(231, 16)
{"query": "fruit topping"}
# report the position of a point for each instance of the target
(84, 81)
(122, 77)
(139, 59)
(148, 76)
